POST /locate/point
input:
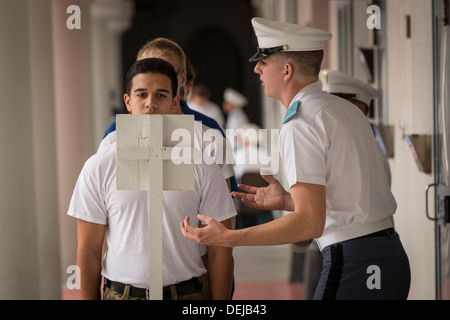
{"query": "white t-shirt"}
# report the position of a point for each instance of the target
(125, 213)
(330, 142)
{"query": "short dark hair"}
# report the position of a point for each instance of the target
(151, 65)
(307, 62)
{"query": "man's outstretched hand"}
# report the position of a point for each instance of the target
(213, 234)
(271, 197)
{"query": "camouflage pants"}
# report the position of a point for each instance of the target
(203, 294)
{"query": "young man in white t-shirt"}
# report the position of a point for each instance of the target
(123, 214)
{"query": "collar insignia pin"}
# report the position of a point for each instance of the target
(292, 111)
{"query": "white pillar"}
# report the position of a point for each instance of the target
(28, 232)
(72, 115)
(81, 102)
(109, 19)
(43, 123)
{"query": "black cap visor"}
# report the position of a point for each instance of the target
(265, 52)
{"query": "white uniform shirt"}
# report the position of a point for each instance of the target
(236, 119)
(209, 109)
(330, 142)
(125, 212)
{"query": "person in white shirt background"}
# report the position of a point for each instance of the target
(199, 100)
(360, 93)
(232, 105)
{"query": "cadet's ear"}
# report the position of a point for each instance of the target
(288, 70)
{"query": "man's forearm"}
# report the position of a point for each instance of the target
(305, 223)
(220, 272)
(90, 269)
(290, 228)
(284, 230)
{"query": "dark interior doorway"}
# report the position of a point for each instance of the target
(217, 36)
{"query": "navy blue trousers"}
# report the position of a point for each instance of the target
(365, 269)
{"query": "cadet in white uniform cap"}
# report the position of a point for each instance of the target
(347, 87)
(357, 92)
(339, 194)
(233, 102)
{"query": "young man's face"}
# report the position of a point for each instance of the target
(151, 93)
(271, 74)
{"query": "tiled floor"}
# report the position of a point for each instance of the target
(261, 273)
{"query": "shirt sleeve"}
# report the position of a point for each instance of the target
(215, 200)
(303, 150)
(87, 201)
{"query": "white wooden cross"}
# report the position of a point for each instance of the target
(149, 151)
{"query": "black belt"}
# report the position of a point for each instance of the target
(383, 233)
(182, 288)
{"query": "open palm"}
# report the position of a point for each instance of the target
(271, 197)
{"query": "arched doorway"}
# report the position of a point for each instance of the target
(213, 47)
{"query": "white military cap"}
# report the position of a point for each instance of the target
(275, 36)
(342, 84)
(234, 97)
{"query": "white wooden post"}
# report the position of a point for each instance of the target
(147, 156)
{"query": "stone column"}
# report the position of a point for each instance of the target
(81, 100)
(44, 148)
(109, 19)
(29, 264)
(72, 115)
